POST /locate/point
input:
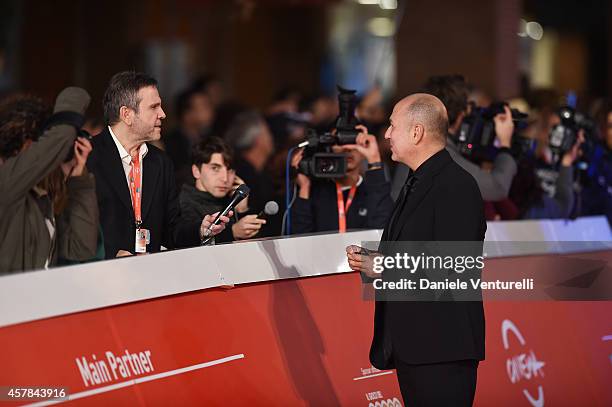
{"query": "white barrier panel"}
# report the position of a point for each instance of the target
(64, 290)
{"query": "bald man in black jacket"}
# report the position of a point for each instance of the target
(435, 346)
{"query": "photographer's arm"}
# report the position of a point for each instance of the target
(302, 212)
(378, 198)
(564, 192)
(21, 173)
(302, 216)
(78, 223)
(493, 185)
(375, 184)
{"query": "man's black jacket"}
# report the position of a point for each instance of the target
(444, 205)
(160, 205)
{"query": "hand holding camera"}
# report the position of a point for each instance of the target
(365, 144)
(569, 157)
(76, 166)
(302, 181)
(504, 127)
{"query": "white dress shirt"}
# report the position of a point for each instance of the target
(126, 159)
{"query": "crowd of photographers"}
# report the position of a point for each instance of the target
(128, 188)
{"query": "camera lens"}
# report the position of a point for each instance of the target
(326, 166)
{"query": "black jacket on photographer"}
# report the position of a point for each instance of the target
(596, 195)
(370, 208)
(555, 203)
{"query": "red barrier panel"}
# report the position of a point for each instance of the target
(295, 342)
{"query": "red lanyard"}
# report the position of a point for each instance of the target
(136, 189)
(342, 208)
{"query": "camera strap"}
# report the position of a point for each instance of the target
(342, 207)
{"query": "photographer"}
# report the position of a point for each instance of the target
(351, 202)
(48, 206)
(596, 194)
(532, 202)
(215, 183)
(495, 184)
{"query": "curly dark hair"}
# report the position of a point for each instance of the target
(22, 118)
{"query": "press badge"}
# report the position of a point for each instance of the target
(143, 237)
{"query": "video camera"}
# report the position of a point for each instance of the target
(319, 161)
(564, 135)
(476, 136)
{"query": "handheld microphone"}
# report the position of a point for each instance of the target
(270, 209)
(241, 192)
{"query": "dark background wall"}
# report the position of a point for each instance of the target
(257, 46)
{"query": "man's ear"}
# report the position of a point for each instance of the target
(126, 115)
(195, 171)
(417, 133)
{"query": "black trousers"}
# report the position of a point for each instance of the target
(439, 384)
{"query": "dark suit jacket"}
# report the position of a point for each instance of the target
(160, 206)
(445, 205)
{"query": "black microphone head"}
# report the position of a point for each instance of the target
(242, 191)
(271, 208)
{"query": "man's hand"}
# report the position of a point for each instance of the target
(123, 253)
(362, 260)
(247, 227)
(568, 158)
(504, 127)
(215, 230)
(302, 181)
(76, 166)
(366, 144)
(82, 148)
(235, 181)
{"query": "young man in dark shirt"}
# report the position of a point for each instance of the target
(215, 182)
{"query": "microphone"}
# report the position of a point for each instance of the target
(239, 194)
(270, 209)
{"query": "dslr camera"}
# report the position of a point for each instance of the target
(319, 161)
(73, 119)
(476, 136)
(564, 135)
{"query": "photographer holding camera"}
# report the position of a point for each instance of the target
(494, 185)
(361, 201)
(48, 203)
(530, 199)
(596, 194)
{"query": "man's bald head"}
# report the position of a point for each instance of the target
(427, 110)
(417, 131)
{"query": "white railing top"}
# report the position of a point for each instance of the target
(48, 293)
